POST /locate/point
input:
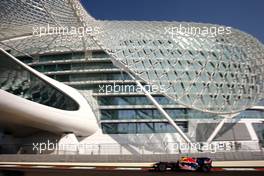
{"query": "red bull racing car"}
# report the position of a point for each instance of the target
(185, 163)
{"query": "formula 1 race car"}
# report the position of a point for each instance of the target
(185, 163)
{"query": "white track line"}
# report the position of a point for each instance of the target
(88, 168)
(42, 167)
(112, 167)
(8, 165)
(127, 168)
(239, 169)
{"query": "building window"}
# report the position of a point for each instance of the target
(142, 127)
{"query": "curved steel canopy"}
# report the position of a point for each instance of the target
(221, 74)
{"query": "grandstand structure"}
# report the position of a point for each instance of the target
(125, 87)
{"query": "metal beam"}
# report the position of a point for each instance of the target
(161, 110)
(219, 126)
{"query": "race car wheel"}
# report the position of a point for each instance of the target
(162, 167)
(175, 167)
(206, 168)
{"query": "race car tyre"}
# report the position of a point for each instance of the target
(175, 167)
(162, 167)
(205, 168)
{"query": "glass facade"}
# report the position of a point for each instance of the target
(57, 57)
(88, 73)
(142, 127)
(216, 74)
(132, 100)
(17, 80)
(210, 72)
(72, 66)
(142, 113)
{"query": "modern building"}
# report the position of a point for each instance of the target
(125, 87)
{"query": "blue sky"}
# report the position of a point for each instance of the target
(246, 15)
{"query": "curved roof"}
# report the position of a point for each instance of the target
(213, 73)
(219, 74)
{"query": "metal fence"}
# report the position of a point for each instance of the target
(170, 148)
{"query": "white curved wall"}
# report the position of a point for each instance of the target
(19, 110)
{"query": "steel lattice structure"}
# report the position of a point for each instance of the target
(221, 74)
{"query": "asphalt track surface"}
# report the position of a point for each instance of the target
(62, 172)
